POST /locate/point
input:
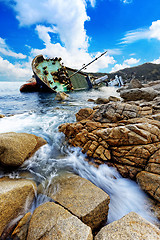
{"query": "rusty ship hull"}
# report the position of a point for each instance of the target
(52, 76)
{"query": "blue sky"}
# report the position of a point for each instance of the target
(78, 31)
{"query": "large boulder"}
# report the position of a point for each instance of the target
(152, 83)
(129, 143)
(131, 227)
(15, 148)
(134, 94)
(149, 179)
(153, 165)
(101, 100)
(113, 112)
(51, 221)
(150, 183)
(16, 196)
(125, 136)
(84, 113)
(82, 198)
(135, 83)
(61, 96)
(21, 230)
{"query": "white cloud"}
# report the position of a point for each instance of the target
(10, 53)
(156, 61)
(75, 58)
(60, 25)
(4, 49)
(118, 67)
(132, 54)
(115, 51)
(153, 32)
(93, 2)
(2, 42)
(101, 63)
(126, 1)
(43, 33)
(135, 35)
(131, 61)
(11, 72)
(68, 17)
(126, 64)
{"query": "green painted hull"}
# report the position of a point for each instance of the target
(53, 77)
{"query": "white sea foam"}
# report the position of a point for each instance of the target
(125, 195)
(42, 117)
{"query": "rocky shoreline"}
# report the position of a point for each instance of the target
(123, 134)
(120, 132)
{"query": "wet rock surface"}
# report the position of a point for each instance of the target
(51, 221)
(125, 135)
(150, 183)
(82, 198)
(21, 230)
(61, 96)
(16, 197)
(134, 94)
(113, 112)
(135, 83)
(122, 135)
(129, 142)
(15, 148)
(131, 226)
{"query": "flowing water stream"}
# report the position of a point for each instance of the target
(40, 114)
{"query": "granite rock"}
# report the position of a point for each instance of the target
(82, 198)
(51, 221)
(16, 196)
(130, 227)
(15, 148)
(150, 183)
(134, 94)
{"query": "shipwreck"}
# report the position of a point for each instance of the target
(49, 75)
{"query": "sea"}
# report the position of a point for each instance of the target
(40, 114)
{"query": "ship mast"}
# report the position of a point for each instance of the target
(87, 64)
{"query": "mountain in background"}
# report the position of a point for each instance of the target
(145, 73)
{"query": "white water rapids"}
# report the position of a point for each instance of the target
(42, 118)
(125, 195)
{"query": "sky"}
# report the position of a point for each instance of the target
(78, 31)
